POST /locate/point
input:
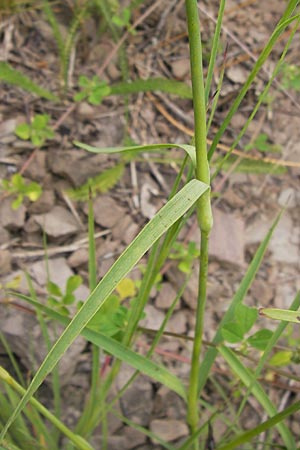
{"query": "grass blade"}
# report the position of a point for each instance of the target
(270, 423)
(77, 440)
(214, 50)
(162, 221)
(119, 351)
(260, 61)
(248, 379)
(189, 149)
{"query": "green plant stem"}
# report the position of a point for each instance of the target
(85, 419)
(193, 413)
(202, 168)
(204, 213)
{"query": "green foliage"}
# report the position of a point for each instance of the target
(112, 319)
(260, 339)
(98, 184)
(38, 131)
(290, 76)
(17, 186)
(185, 254)
(115, 305)
(281, 314)
(282, 358)
(122, 20)
(261, 143)
(243, 320)
(93, 90)
(12, 76)
(65, 42)
(174, 87)
(59, 300)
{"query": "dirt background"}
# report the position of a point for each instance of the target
(244, 208)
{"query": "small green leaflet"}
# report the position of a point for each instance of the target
(281, 314)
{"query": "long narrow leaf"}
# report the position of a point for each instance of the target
(282, 25)
(119, 351)
(162, 221)
(270, 423)
(152, 84)
(189, 149)
(214, 49)
(248, 379)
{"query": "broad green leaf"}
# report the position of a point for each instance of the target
(189, 149)
(260, 339)
(161, 222)
(233, 332)
(245, 316)
(250, 382)
(280, 314)
(13, 76)
(281, 358)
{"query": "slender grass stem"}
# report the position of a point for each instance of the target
(204, 213)
(193, 413)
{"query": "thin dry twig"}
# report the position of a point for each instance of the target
(51, 251)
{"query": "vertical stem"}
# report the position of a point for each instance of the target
(204, 213)
(193, 413)
(202, 167)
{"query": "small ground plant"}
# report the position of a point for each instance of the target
(20, 189)
(111, 325)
